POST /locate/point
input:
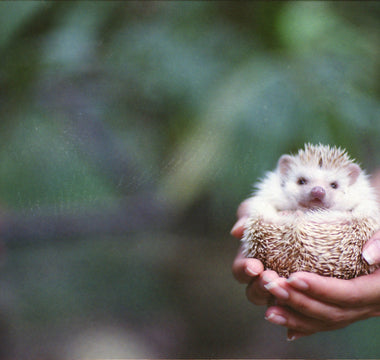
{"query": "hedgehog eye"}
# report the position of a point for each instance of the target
(301, 181)
(334, 185)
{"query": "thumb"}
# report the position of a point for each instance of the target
(238, 229)
(243, 215)
(371, 251)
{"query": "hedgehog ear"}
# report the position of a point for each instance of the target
(284, 164)
(354, 171)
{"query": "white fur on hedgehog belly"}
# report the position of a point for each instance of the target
(326, 242)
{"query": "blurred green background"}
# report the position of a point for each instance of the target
(130, 132)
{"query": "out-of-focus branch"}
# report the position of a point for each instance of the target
(131, 215)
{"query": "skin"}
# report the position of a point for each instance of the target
(307, 303)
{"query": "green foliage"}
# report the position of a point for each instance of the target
(43, 146)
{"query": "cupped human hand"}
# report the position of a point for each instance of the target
(248, 270)
(308, 303)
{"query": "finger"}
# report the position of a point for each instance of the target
(242, 215)
(245, 269)
(311, 307)
(283, 316)
(278, 288)
(243, 209)
(371, 251)
(256, 291)
(238, 229)
(294, 335)
(356, 292)
(305, 305)
(257, 296)
(298, 322)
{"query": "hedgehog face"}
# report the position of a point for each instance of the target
(314, 183)
(314, 188)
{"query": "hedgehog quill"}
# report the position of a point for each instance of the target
(313, 213)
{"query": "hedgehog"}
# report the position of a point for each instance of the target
(313, 213)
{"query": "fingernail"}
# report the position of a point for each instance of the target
(270, 285)
(277, 290)
(291, 338)
(267, 278)
(276, 319)
(294, 336)
(250, 272)
(297, 283)
(371, 253)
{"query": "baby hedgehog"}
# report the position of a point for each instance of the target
(313, 213)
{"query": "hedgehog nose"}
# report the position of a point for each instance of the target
(318, 192)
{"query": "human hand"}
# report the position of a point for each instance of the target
(371, 251)
(309, 303)
(244, 269)
(248, 270)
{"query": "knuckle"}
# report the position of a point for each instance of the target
(301, 324)
(238, 271)
(249, 293)
(256, 296)
(335, 317)
(237, 274)
(352, 296)
(301, 306)
(352, 299)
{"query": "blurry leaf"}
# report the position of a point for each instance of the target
(14, 14)
(164, 66)
(74, 40)
(309, 26)
(39, 165)
(303, 24)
